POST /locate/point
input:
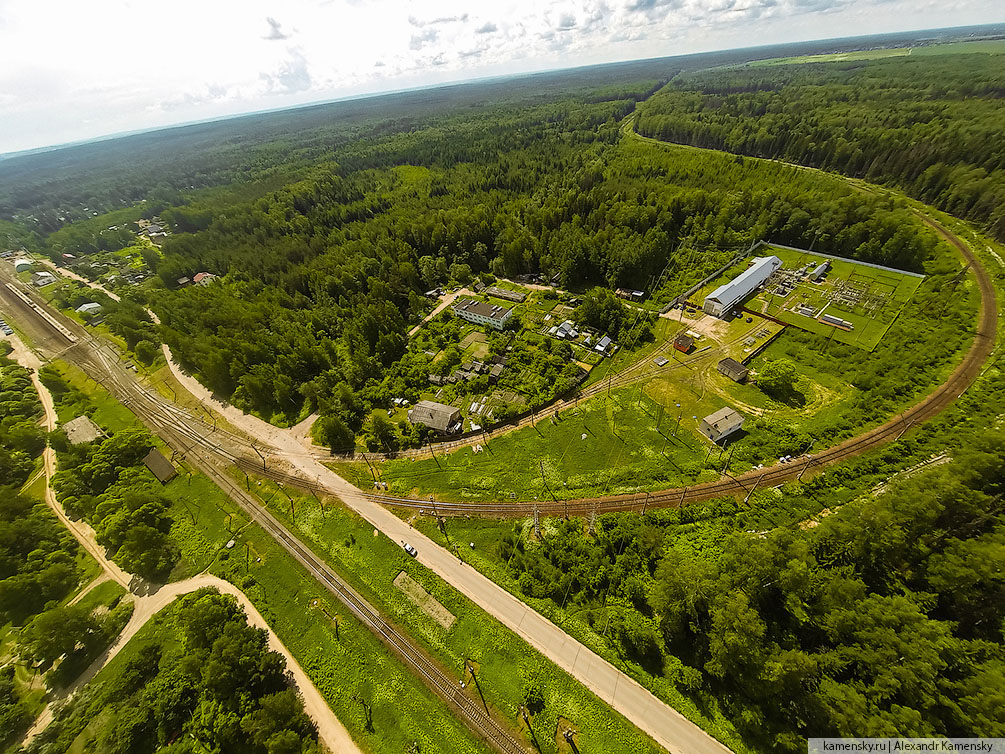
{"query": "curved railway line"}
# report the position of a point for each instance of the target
(941, 398)
(214, 451)
(195, 429)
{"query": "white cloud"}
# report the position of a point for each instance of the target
(275, 30)
(113, 65)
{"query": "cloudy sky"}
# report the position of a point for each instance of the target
(74, 70)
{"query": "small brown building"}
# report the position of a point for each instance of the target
(733, 369)
(684, 343)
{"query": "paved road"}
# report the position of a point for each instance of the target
(666, 726)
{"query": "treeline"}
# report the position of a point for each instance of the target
(884, 620)
(203, 680)
(48, 190)
(928, 124)
(37, 558)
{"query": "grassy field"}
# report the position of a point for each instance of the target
(343, 661)
(890, 291)
(506, 664)
(836, 57)
(606, 445)
(107, 413)
(986, 47)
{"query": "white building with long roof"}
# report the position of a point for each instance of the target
(721, 301)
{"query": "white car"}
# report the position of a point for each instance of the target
(409, 549)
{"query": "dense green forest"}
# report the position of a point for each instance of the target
(21, 439)
(883, 620)
(47, 190)
(37, 558)
(200, 680)
(322, 279)
(928, 125)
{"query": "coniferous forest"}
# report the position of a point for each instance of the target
(926, 125)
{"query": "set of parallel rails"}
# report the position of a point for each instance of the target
(932, 405)
(173, 427)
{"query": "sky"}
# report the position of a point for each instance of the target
(72, 70)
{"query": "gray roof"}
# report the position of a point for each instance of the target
(733, 369)
(725, 415)
(159, 466)
(746, 282)
(480, 307)
(435, 415)
(82, 429)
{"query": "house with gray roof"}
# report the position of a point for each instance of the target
(442, 418)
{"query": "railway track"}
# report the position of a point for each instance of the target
(172, 426)
(479, 720)
(932, 405)
(201, 432)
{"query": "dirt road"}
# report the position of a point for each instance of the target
(667, 726)
(156, 597)
(79, 278)
(445, 300)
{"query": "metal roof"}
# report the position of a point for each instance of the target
(159, 466)
(480, 308)
(746, 282)
(435, 415)
(722, 415)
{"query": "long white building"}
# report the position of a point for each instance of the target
(481, 313)
(721, 301)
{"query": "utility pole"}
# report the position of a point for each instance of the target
(255, 448)
(372, 472)
(682, 494)
(808, 462)
(751, 492)
(644, 504)
(729, 458)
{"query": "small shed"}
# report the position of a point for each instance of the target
(81, 430)
(733, 369)
(721, 424)
(42, 279)
(91, 307)
(159, 466)
(684, 343)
